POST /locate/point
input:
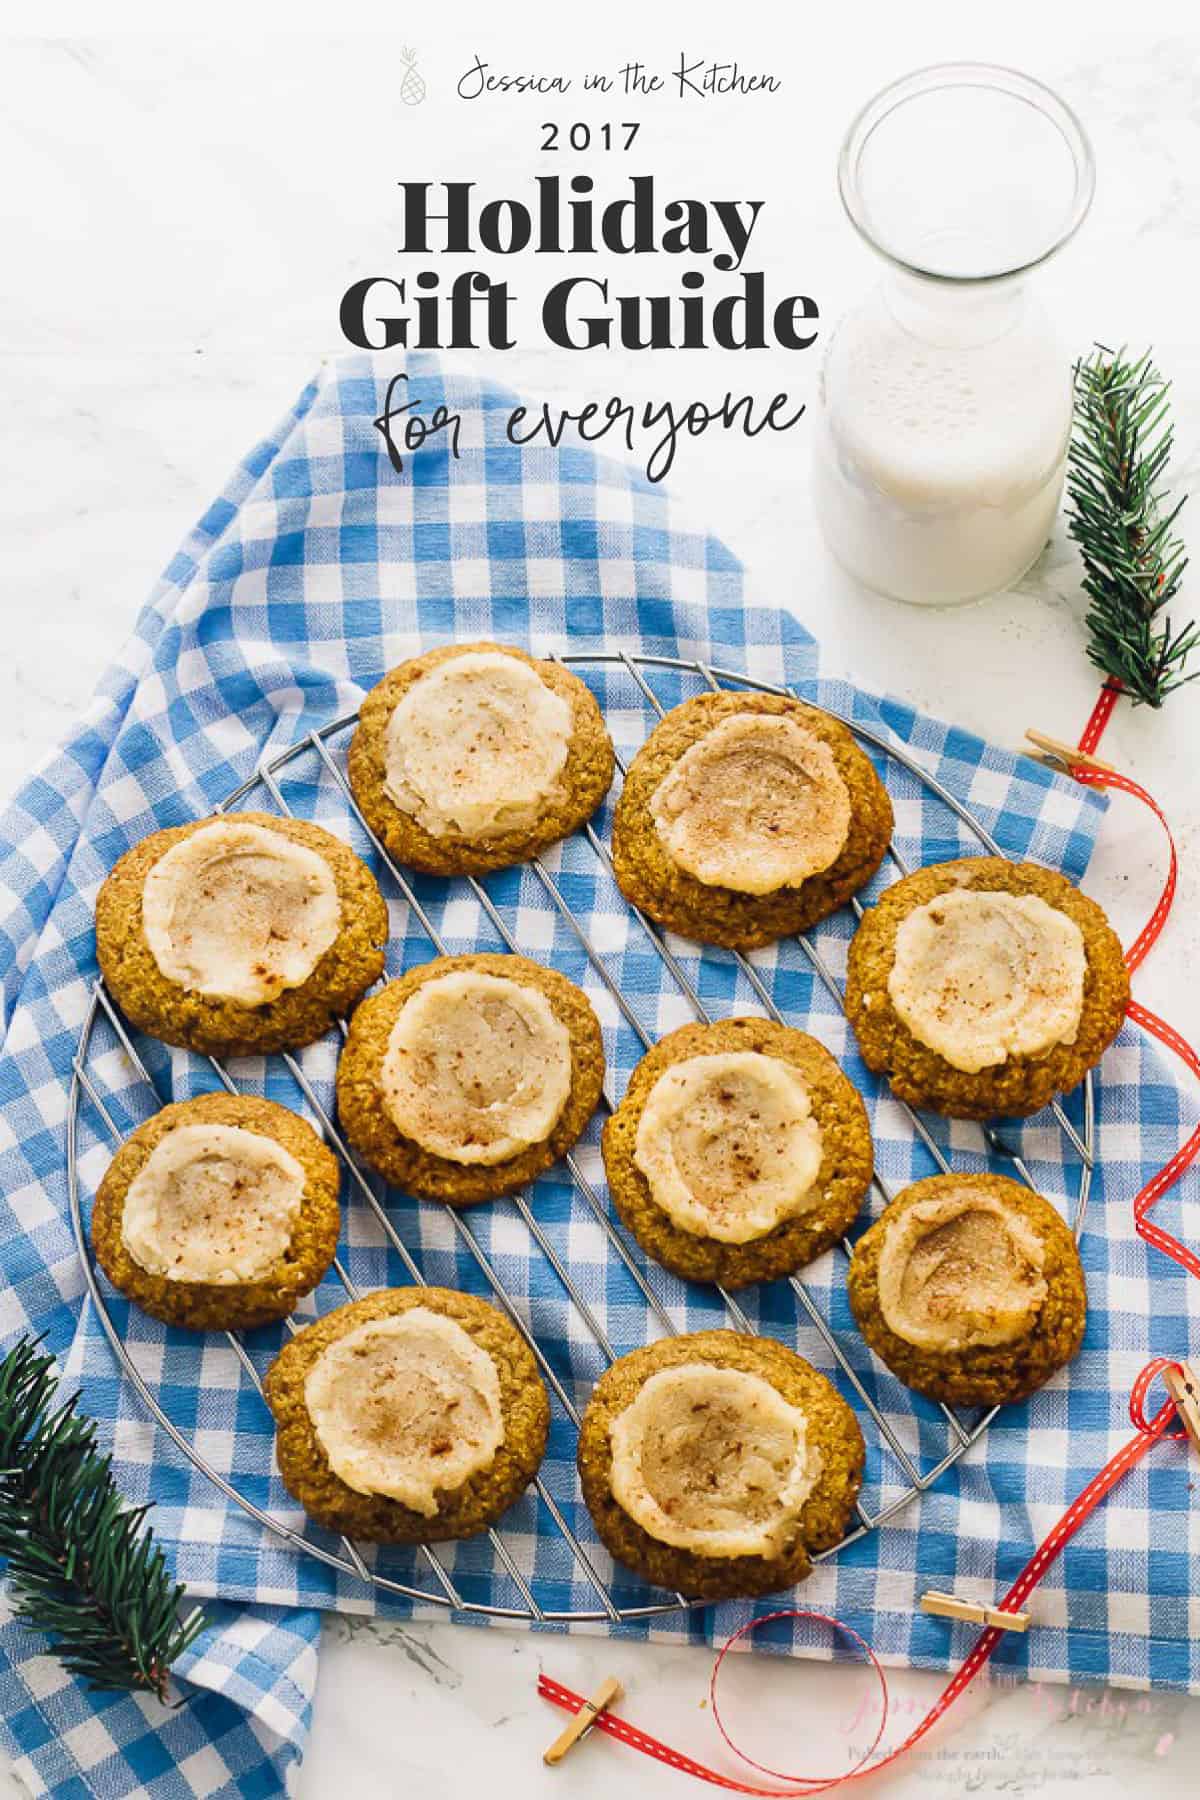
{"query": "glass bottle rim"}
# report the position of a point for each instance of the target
(935, 78)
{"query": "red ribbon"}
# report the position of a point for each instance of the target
(1135, 956)
(1101, 713)
(1147, 1432)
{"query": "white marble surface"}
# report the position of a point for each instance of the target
(180, 220)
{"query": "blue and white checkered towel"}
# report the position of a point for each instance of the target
(317, 569)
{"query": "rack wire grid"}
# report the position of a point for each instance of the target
(384, 1570)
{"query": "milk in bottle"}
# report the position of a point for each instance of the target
(945, 405)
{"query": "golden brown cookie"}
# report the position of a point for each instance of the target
(489, 809)
(1042, 974)
(209, 1198)
(732, 1149)
(828, 813)
(465, 1070)
(970, 1289)
(696, 1440)
(249, 1003)
(388, 1414)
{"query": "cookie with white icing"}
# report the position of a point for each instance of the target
(470, 1075)
(239, 934)
(984, 987)
(970, 1288)
(478, 756)
(739, 1153)
(717, 1464)
(746, 817)
(411, 1416)
(219, 1213)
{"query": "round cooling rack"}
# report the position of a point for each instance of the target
(321, 754)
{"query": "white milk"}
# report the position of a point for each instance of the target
(942, 436)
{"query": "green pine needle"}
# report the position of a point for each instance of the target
(82, 1565)
(1120, 444)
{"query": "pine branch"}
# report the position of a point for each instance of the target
(82, 1565)
(1120, 444)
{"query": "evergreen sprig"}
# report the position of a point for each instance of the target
(1133, 564)
(82, 1565)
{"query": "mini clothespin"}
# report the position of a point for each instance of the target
(578, 1726)
(1183, 1385)
(1052, 753)
(949, 1606)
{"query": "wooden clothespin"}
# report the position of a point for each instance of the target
(1052, 753)
(578, 1726)
(1183, 1385)
(949, 1606)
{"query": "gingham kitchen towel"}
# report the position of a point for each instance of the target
(318, 568)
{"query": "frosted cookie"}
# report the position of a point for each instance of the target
(477, 756)
(985, 987)
(970, 1289)
(739, 1153)
(716, 1464)
(470, 1075)
(219, 1213)
(746, 817)
(240, 933)
(413, 1415)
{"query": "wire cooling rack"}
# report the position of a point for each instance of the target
(327, 746)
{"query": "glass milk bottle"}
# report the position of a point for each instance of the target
(946, 394)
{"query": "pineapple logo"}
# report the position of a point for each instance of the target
(412, 88)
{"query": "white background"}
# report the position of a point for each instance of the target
(180, 217)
